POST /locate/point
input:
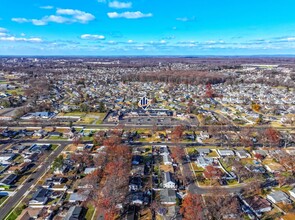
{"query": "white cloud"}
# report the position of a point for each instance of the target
(129, 15)
(20, 20)
(185, 19)
(130, 41)
(22, 39)
(47, 7)
(80, 16)
(117, 4)
(112, 42)
(161, 42)
(92, 37)
(3, 30)
(69, 16)
(57, 19)
(39, 22)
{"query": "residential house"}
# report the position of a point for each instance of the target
(135, 183)
(89, 170)
(7, 181)
(225, 153)
(54, 134)
(278, 196)
(137, 170)
(20, 168)
(80, 147)
(242, 154)
(42, 115)
(164, 150)
(6, 158)
(168, 196)
(78, 197)
(167, 160)
(40, 197)
(30, 213)
(74, 213)
(258, 205)
(40, 133)
(63, 170)
(136, 159)
(260, 152)
(137, 198)
(204, 161)
(212, 173)
(53, 181)
(203, 151)
(168, 181)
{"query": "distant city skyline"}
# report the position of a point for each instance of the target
(147, 27)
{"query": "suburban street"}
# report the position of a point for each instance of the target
(26, 187)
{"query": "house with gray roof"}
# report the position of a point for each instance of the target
(203, 151)
(278, 196)
(78, 197)
(74, 213)
(168, 196)
(167, 159)
(40, 197)
(7, 181)
(242, 154)
(204, 161)
(225, 153)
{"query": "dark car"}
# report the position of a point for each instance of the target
(30, 180)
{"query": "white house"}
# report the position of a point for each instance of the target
(224, 153)
(168, 181)
(242, 154)
(167, 160)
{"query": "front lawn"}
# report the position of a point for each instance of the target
(90, 212)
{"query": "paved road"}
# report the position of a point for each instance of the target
(13, 200)
(88, 126)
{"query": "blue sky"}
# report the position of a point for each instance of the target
(147, 27)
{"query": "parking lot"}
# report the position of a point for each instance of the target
(158, 121)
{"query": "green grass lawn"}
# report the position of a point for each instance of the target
(2, 199)
(232, 182)
(18, 91)
(87, 138)
(68, 197)
(56, 138)
(54, 146)
(197, 168)
(89, 212)
(53, 201)
(13, 215)
(80, 114)
(191, 150)
(213, 153)
(284, 188)
(225, 165)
